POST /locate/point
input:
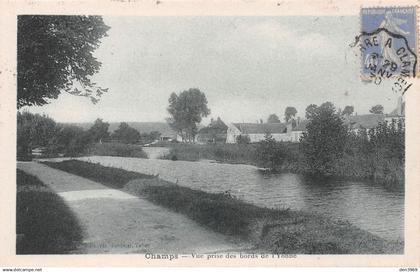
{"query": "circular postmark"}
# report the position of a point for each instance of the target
(387, 46)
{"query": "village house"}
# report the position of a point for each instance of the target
(370, 121)
(215, 132)
(294, 129)
(290, 132)
(366, 121)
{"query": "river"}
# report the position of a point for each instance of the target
(366, 205)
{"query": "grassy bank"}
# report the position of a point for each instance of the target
(116, 149)
(273, 230)
(379, 169)
(228, 153)
(44, 224)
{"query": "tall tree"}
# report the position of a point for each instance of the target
(273, 118)
(377, 109)
(310, 111)
(54, 54)
(99, 131)
(289, 112)
(186, 111)
(126, 134)
(71, 140)
(348, 110)
(323, 143)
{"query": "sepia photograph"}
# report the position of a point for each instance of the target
(214, 137)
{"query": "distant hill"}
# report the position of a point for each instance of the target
(142, 127)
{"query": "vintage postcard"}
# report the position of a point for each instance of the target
(212, 133)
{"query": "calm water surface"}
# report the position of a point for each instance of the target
(368, 206)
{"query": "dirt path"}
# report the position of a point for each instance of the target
(116, 222)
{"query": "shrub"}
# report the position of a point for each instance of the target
(271, 153)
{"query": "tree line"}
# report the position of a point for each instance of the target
(40, 131)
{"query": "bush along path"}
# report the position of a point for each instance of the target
(113, 221)
(268, 230)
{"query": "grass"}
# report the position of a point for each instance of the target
(44, 224)
(273, 230)
(111, 177)
(116, 149)
(229, 153)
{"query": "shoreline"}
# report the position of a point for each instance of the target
(273, 230)
(193, 153)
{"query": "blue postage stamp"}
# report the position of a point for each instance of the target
(388, 42)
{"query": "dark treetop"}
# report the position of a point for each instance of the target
(53, 53)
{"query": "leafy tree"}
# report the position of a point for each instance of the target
(150, 137)
(99, 131)
(310, 111)
(273, 118)
(126, 134)
(155, 135)
(388, 140)
(33, 130)
(271, 153)
(377, 109)
(54, 54)
(186, 111)
(289, 112)
(348, 110)
(71, 141)
(324, 141)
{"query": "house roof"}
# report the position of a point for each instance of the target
(212, 130)
(216, 127)
(254, 128)
(365, 120)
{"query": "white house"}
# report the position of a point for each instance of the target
(256, 131)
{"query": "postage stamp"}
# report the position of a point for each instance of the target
(388, 42)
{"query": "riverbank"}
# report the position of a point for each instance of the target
(116, 149)
(379, 169)
(225, 153)
(44, 223)
(273, 230)
(116, 222)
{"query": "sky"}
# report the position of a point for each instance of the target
(248, 68)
